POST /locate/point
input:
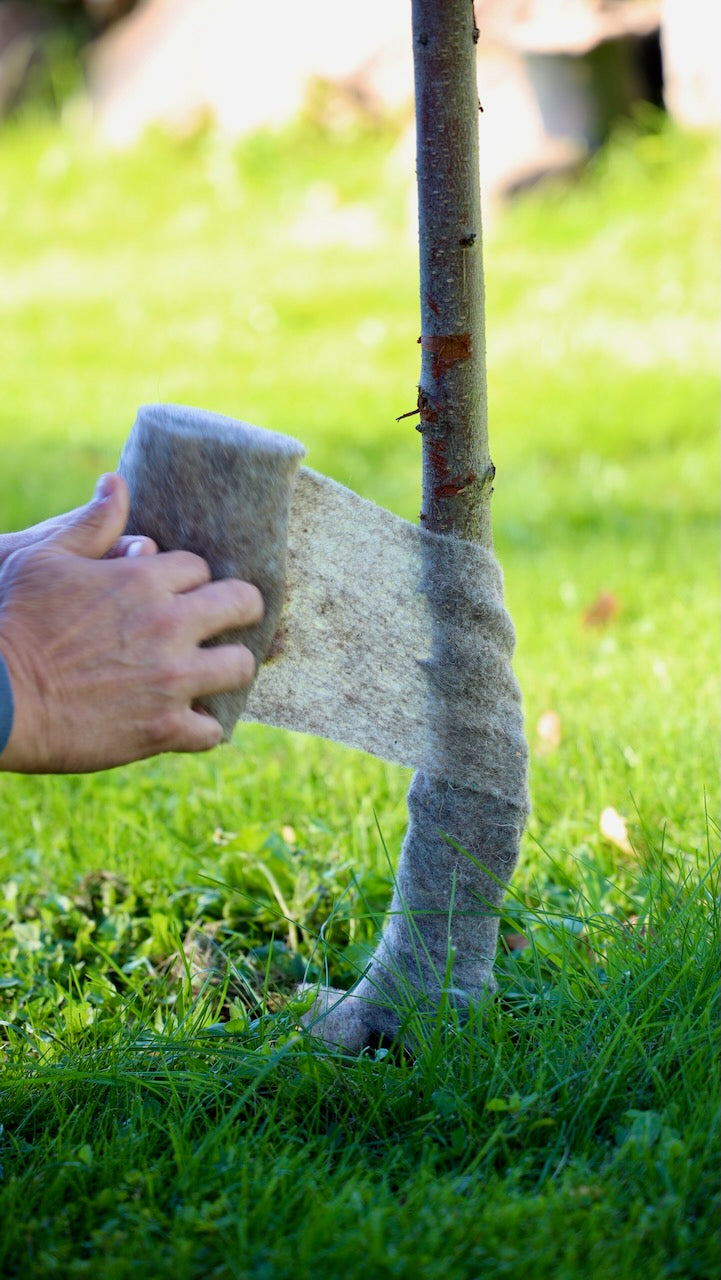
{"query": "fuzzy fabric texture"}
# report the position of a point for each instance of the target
(395, 641)
(439, 942)
(202, 482)
(387, 638)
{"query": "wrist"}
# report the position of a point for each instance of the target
(22, 697)
(9, 542)
(22, 539)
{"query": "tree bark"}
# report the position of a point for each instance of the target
(452, 400)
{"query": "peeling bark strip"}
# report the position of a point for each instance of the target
(446, 486)
(446, 349)
(457, 469)
(453, 487)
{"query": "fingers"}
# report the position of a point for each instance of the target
(221, 669)
(131, 545)
(180, 571)
(91, 530)
(221, 606)
(197, 731)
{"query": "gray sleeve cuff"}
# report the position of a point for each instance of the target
(7, 706)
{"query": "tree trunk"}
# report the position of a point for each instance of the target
(457, 469)
(461, 845)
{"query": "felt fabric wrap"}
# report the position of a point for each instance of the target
(7, 705)
(384, 637)
(379, 635)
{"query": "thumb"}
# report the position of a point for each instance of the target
(97, 526)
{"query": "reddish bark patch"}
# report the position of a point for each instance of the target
(453, 487)
(444, 484)
(447, 349)
(437, 458)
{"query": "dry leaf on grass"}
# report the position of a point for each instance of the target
(202, 959)
(549, 731)
(603, 610)
(614, 829)
(515, 941)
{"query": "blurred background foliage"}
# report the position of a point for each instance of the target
(41, 47)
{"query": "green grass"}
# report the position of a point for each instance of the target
(158, 1123)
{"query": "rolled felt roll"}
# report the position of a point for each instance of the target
(206, 483)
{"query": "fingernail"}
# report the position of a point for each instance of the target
(134, 548)
(104, 488)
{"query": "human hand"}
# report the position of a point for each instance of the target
(126, 544)
(104, 655)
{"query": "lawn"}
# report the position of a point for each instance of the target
(162, 1116)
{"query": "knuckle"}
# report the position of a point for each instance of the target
(233, 666)
(248, 601)
(168, 627)
(32, 569)
(192, 564)
(246, 665)
(162, 731)
(139, 571)
(172, 677)
(209, 735)
(27, 558)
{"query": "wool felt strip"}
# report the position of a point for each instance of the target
(440, 936)
(384, 637)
